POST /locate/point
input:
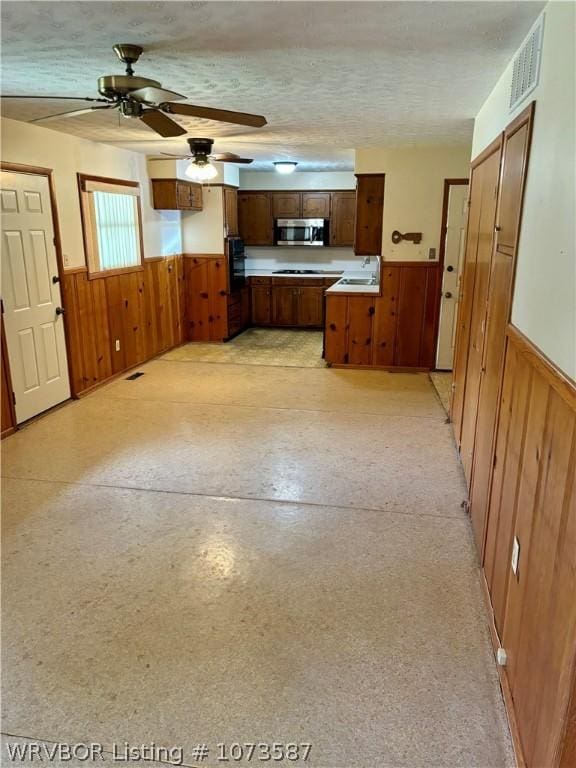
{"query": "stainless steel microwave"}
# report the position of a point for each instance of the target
(301, 232)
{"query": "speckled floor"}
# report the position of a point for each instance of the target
(442, 382)
(298, 348)
(216, 553)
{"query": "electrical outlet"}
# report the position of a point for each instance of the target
(515, 555)
(117, 345)
(431, 254)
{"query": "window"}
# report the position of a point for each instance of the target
(112, 224)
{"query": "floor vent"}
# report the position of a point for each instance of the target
(134, 376)
(526, 71)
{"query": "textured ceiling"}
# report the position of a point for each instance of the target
(329, 76)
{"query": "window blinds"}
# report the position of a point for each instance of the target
(117, 229)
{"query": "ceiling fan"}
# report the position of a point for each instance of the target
(200, 168)
(145, 99)
(201, 152)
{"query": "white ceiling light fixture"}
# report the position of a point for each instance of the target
(201, 171)
(285, 166)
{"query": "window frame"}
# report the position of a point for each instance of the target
(89, 234)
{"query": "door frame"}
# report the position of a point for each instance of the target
(36, 170)
(442, 253)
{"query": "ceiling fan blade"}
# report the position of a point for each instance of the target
(225, 159)
(177, 157)
(208, 113)
(73, 113)
(155, 95)
(59, 98)
(161, 123)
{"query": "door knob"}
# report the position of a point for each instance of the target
(448, 295)
(60, 310)
(55, 279)
(449, 268)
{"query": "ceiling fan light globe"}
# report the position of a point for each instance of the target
(201, 172)
(285, 166)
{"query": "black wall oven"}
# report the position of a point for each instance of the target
(236, 262)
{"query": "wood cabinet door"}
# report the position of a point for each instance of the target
(316, 205)
(360, 326)
(195, 191)
(183, 195)
(231, 211)
(255, 222)
(336, 330)
(310, 307)
(261, 305)
(369, 213)
(342, 218)
(285, 305)
(286, 205)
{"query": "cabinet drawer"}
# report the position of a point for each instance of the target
(260, 280)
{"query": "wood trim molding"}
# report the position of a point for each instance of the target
(107, 180)
(75, 270)
(495, 146)
(557, 379)
(429, 264)
(203, 255)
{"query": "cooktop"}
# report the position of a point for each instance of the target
(306, 272)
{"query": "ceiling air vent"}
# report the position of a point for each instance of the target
(527, 65)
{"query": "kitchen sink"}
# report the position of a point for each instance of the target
(357, 281)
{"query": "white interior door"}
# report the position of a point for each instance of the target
(453, 263)
(34, 330)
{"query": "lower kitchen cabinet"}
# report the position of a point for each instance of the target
(206, 282)
(288, 302)
(261, 301)
(392, 330)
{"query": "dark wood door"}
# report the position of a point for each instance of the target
(255, 218)
(231, 211)
(511, 191)
(261, 305)
(310, 306)
(316, 205)
(286, 205)
(369, 212)
(285, 305)
(343, 218)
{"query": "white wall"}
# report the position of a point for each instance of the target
(317, 180)
(544, 303)
(67, 155)
(413, 192)
(203, 231)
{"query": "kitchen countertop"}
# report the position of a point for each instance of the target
(337, 288)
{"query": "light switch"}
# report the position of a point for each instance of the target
(515, 555)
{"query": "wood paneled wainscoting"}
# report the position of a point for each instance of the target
(141, 310)
(533, 500)
(395, 329)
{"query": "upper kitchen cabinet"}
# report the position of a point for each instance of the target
(255, 222)
(297, 205)
(286, 205)
(231, 211)
(315, 205)
(176, 195)
(343, 218)
(369, 212)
